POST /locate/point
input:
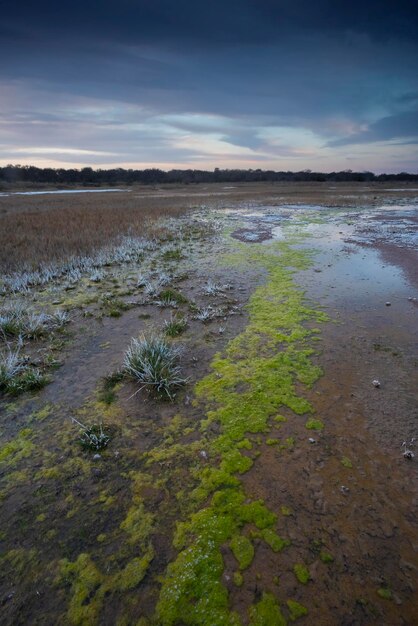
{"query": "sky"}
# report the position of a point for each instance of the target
(270, 84)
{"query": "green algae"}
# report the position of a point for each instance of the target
(326, 557)
(346, 462)
(87, 593)
(18, 448)
(90, 586)
(258, 373)
(314, 424)
(296, 610)
(267, 612)
(276, 543)
(302, 573)
(385, 593)
(243, 550)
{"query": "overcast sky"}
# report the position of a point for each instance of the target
(275, 84)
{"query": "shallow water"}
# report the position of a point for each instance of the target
(60, 192)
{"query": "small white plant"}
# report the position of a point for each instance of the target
(96, 276)
(406, 449)
(59, 318)
(10, 365)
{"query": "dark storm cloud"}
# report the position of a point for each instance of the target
(236, 21)
(225, 71)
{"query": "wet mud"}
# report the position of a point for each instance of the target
(274, 487)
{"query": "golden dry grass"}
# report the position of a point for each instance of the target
(42, 229)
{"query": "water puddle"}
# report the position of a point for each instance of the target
(62, 192)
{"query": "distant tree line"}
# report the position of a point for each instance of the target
(89, 177)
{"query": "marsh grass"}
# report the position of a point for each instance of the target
(16, 376)
(19, 321)
(107, 392)
(92, 437)
(175, 326)
(152, 361)
(48, 229)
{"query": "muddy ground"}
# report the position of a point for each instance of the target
(273, 488)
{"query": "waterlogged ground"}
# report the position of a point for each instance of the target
(273, 488)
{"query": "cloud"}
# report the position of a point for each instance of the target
(391, 127)
(238, 80)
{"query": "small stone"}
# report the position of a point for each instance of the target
(60, 301)
(387, 303)
(97, 457)
(311, 440)
(344, 490)
(376, 383)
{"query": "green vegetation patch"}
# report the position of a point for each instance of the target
(314, 424)
(258, 373)
(296, 610)
(302, 573)
(18, 448)
(267, 612)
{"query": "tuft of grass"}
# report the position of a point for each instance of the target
(175, 326)
(173, 295)
(173, 254)
(152, 361)
(92, 437)
(16, 377)
(107, 392)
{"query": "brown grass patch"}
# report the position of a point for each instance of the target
(42, 229)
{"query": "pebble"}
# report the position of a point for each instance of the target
(376, 383)
(344, 490)
(96, 457)
(388, 303)
(312, 440)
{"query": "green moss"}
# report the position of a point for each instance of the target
(238, 579)
(18, 448)
(314, 424)
(267, 612)
(302, 573)
(261, 370)
(276, 543)
(243, 550)
(138, 524)
(87, 590)
(385, 593)
(346, 462)
(326, 557)
(42, 413)
(134, 571)
(296, 610)
(272, 442)
(286, 511)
